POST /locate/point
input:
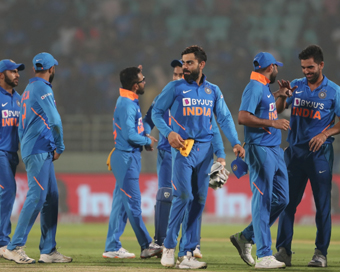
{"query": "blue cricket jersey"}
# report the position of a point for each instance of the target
(192, 107)
(259, 101)
(40, 127)
(10, 111)
(312, 111)
(163, 142)
(128, 128)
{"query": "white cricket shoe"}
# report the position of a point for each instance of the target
(318, 259)
(244, 248)
(282, 256)
(189, 262)
(54, 257)
(153, 250)
(269, 262)
(122, 253)
(17, 255)
(2, 250)
(197, 252)
(168, 257)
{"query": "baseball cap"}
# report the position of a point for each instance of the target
(176, 63)
(265, 59)
(239, 167)
(45, 61)
(7, 64)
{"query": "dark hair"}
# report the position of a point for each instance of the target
(39, 65)
(260, 70)
(129, 77)
(312, 51)
(197, 50)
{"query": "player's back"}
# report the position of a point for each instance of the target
(34, 126)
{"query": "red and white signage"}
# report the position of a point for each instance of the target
(90, 197)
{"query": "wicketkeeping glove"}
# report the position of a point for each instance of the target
(218, 175)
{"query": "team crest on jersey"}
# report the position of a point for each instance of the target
(207, 90)
(322, 95)
(18, 103)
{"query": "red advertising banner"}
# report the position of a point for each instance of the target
(89, 196)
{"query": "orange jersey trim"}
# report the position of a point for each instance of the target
(1, 186)
(125, 193)
(128, 94)
(173, 185)
(328, 126)
(40, 117)
(177, 123)
(257, 188)
(267, 130)
(259, 77)
(39, 184)
(118, 126)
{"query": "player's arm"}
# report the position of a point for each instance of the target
(217, 142)
(47, 104)
(147, 121)
(128, 113)
(317, 141)
(250, 99)
(226, 122)
(163, 103)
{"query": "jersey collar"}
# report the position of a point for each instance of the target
(5, 92)
(324, 82)
(259, 77)
(40, 79)
(128, 94)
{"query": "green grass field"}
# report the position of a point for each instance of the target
(85, 243)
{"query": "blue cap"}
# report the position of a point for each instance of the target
(45, 61)
(265, 59)
(176, 63)
(239, 167)
(7, 64)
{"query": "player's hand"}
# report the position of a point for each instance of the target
(221, 161)
(153, 140)
(285, 89)
(55, 156)
(317, 141)
(175, 140)
(239, 151)
(281, 124)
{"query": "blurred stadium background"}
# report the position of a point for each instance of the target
(94, 40)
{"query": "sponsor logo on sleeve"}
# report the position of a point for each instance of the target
(45, 95)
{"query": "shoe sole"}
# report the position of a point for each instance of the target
(281, 267)
(185, 267)
(280, 260)
(312, 265)
(234, 242)
(41, 261)
(116, 257)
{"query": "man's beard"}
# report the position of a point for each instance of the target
(193, 76)
(10, 82)
(315, 77)
(51, 78)
(272, 78)
(140, 91)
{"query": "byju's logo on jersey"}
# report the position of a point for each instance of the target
(9, 113)
(140, 121)
(5, 114)
(297, 102)
(272, 106)
(186, 102)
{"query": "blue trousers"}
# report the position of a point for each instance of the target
(190, 189)
(269, 185)
(317, 166)
(164, 168)
(126, 202)
(42, 196)
(8, 188)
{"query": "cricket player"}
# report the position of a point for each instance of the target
(192, 102)
(125, 161)
(267, 170)
(41, 138)
(314, 107)
(164, 167)
(9, 144)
